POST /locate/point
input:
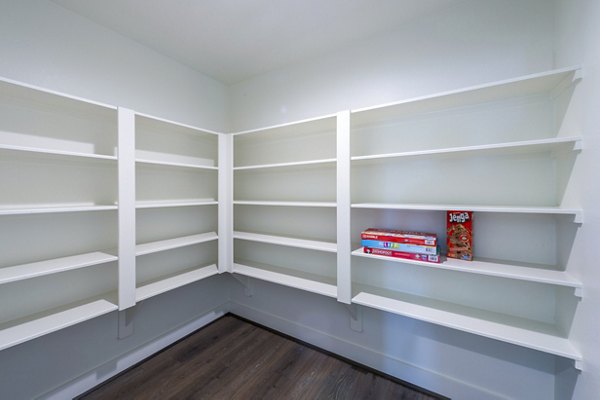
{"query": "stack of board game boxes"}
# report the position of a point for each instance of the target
(401, 244)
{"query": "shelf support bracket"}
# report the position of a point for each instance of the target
(356, 320)
(126, 323)
(246, 283)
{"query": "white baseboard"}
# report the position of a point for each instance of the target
(430, 380)
(87, 381)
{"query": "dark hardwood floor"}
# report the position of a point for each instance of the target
(234, 359)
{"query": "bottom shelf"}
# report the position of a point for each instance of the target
(518, 331)
(16, 332)
(281, 276)
(164, 285)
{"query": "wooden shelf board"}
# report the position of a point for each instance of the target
(169, 244)
(285, 203)
(148, 290)
(175, 203)
(56, 152)
(12, 334)
(540, 145)
(57, 208)
(286, 241)
(41, 268)
(287, 164)
(531, 335)
(494, 268)
(281, 278)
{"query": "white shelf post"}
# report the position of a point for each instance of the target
(126, 160)
(344, 250)
(225, 203)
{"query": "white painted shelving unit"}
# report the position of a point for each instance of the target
(286, 204)
(58, 173)
(284, 183)
(176, 180)
(504, 150)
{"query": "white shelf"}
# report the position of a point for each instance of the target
(287, 164)
(41, 268)
(286, 241)
(285, 203)
(56, 152)
(186, 128)
(175, 164)
(539, 145)
(164, 285)
(14, 333)
(491, 268)
(285, 279)
(58, 208)
(513, 330)
(175, 203)
(169, 244)
(577, 213)
(311, 124)
(528, 85)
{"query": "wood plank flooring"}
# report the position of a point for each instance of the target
(234, 359)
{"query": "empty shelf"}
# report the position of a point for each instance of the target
(32, 270)
(539, 145)
(532, 337)
(26, 329)
(168, 244)
(286, 164)
(286, 241)
(175, 203)
(164, 285)
(56, 152)
(59, 208)
(281, 278)
(285, 203)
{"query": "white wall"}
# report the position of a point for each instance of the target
(473, 43)
(43, 44)
(577, 33)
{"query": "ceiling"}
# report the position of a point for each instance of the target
(233, 40)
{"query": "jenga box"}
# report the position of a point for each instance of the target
(459, 229)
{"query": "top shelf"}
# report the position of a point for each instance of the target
(546, 82)
(323, 123)
(538, 145)
(44, 98)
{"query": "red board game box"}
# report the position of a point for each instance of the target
(390, 235)
(459, 228)
(433, 258)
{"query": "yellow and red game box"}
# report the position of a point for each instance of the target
(459, 229)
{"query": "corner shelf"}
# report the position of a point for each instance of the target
(286, 241)
(17, 332)
(175, 164)
(41, 268)
(286, 164)
(529, 334)
(169, 244)
(491, 268)
(155, 288)
(282, 277)
(285, 203)
(175, 203)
